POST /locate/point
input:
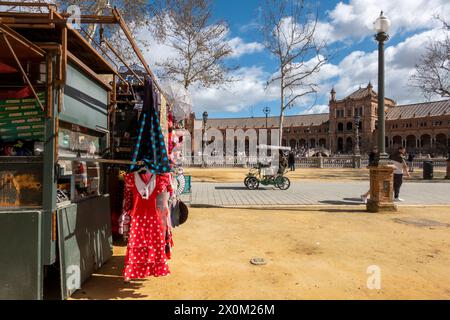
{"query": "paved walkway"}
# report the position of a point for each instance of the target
(311, 193)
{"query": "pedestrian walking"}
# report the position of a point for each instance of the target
(291, 161)
(373, 157)
(401, 168)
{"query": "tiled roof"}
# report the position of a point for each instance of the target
(361, 93)
(272, 122)
(419, 110)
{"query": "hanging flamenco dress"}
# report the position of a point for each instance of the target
(149, 239)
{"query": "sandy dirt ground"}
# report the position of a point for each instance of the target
(302, 174)
(310, 254)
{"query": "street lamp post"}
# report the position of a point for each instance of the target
(382, 175)
(308, 131)
(266, 111)
(448, 159)
(205, 120)
(381, 27)
(357, 121)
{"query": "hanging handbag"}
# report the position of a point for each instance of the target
(179, 213)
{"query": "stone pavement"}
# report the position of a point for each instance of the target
(311, 193)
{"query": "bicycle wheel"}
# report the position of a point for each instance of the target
(252, 183)
(246, 181)
(283, 183)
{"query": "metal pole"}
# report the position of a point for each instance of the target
(357, 151)
(204, 144)
(381, 38)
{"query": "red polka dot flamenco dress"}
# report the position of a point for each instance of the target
(150, 238)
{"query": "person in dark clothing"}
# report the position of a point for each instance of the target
(398, 159)
(291, 160)
(373, 156)
(283, 162)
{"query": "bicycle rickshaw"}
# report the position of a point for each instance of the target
(266, 174)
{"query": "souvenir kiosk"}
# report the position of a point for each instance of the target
(55, 95)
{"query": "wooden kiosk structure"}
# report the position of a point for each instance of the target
(57, 93)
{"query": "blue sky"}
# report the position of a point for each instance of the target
(347, 27)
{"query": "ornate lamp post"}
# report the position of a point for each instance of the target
(448, 160)
(205, 120)
(381, 27)
(308, 131)
(381, 176)
(357, 122)
(266, 111)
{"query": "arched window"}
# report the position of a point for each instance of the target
(322, 143)
(441, 142)
(410, 142)
(349, 145)
(397, 141)
(425, 141)
(340, 144)
(302, 143)
(340, 127)
(292, 143)
(349, 126)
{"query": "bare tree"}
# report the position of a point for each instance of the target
(200, 46)
(290, 35)
(432, 75)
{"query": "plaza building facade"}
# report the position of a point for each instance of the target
(421, 128)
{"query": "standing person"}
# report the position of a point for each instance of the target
(411, 161)
(283, 162)
(372, 162)
(291, 160)
(401, 168)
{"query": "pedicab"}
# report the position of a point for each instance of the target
(266, 174)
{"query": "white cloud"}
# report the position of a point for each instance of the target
(355, 19)
(318, 108)
(240, 47)
(247, 91)
(359, 67)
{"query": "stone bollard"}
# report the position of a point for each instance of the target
(357, 161)
(381, 189)
(320, 161)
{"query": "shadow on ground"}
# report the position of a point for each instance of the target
(345, 202)
(110, 279)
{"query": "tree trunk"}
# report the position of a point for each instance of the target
(280, 138)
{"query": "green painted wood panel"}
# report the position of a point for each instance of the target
(85, 101)
(85, 241)
(20, 255)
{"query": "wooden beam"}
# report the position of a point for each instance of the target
(50, 104)
(49, 46)
(20, 39)
(64, 55)
(138, 52)
(123, 61)
(21, 70)
(39, 21)
(29, 26)
(79, 37)
(28, 4)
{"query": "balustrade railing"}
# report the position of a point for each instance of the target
(303, 162)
